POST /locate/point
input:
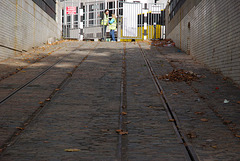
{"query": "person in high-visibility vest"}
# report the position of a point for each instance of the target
(113, 26)
(104, 23)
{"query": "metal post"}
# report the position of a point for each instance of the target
(145, 21)
(154, 24)
(81, 20)
(65, 20)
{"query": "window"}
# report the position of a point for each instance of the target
(175, 5)
(48, 6)
(75, 17)
(68, 18)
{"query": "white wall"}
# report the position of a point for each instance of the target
(213, 36)
(24, 25)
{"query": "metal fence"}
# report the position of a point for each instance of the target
(129, 22)
(71, 22)
(154, 23)
(92, 19)
(133, 22)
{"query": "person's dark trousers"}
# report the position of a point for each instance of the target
(104, 29)
(112, 35)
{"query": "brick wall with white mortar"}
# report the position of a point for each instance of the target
(25, 25)
(210, 32)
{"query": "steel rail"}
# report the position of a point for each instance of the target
(36, 113)
(190, 153)
(123, 108)
(21, 68)
(36, 77)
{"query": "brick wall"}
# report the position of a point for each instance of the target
(24, 25)
(210, 32)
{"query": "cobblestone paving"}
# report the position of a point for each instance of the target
(84, 113)
(151, 136)
(15, 111)
(215, 137)
(20, 61)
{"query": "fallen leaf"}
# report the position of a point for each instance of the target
(40, 102)
(20, 128)
(226, 122)
(204, 120)
(161, 92)
(124, 113)
(199, 113)
(215, 147)
(118, 131)
(191, 135)
(123, 133)
(237, 136)
(71, 150)
(171, 120)
(57, 89)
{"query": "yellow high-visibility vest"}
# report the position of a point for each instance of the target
(113, 26)
(104, 20)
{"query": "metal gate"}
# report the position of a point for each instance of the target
(71, 15)
(92, 19)
(130, 21)
(154, 24)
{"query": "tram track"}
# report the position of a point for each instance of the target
(33, 79)
(230, 125)
(189, 152)
(36, 60)
(43, 104)
(122, 147)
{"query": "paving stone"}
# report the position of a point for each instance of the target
(85, 113)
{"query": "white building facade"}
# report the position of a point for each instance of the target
(85, 23)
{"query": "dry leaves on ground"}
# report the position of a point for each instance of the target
(121, 132)
(180, 75)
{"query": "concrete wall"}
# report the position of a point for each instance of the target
(24, 25)
(210, 32)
